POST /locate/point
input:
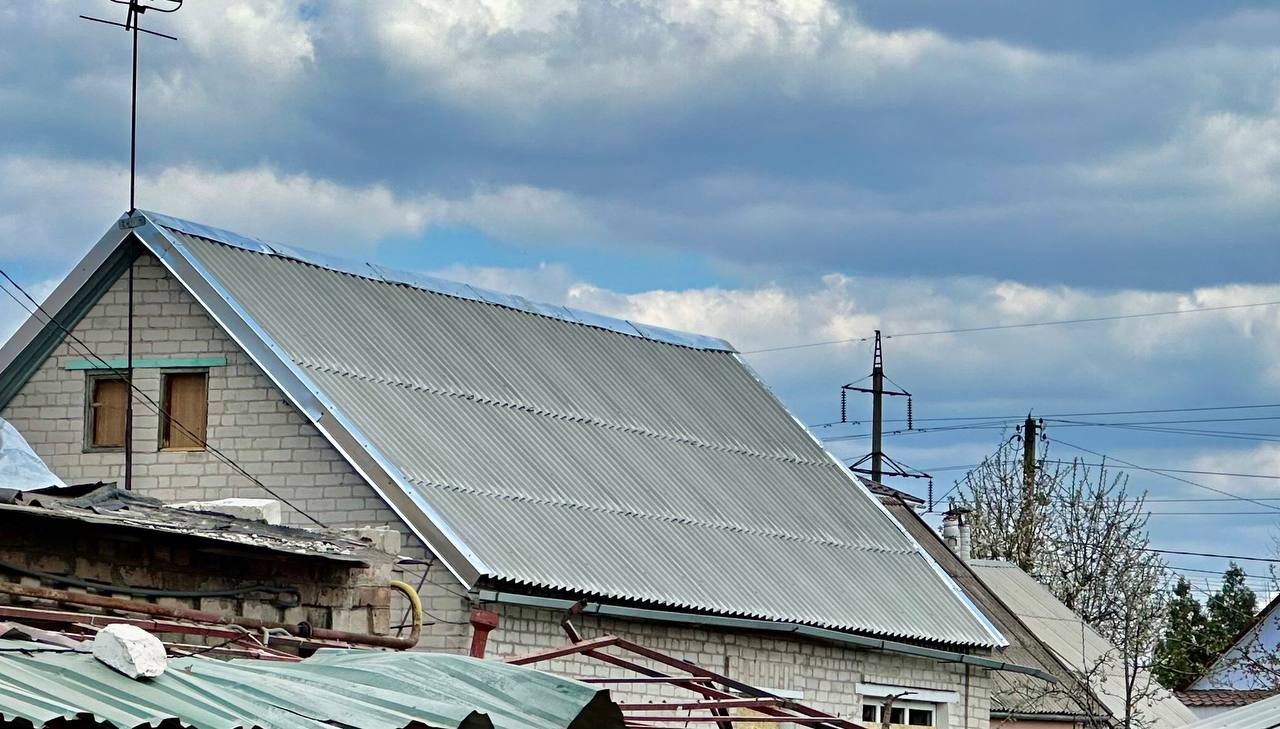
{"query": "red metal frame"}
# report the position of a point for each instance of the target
(714, 693)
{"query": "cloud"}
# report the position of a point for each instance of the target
(36, 195)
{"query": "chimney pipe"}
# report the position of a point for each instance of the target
(956, 532)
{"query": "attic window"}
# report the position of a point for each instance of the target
(107, 399)
(186, 408)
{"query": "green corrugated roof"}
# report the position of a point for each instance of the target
(363, 689)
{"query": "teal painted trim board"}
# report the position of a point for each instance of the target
(119, 363)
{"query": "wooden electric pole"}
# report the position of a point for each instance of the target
(1027, 545)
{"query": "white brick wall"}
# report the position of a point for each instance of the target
(251, 422)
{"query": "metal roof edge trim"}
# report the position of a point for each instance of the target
(378, 272)
(998, 639)
(26, 343)
(771, 626)
(374, 467)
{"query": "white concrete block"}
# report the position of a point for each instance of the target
(267, 510)
(130, 650)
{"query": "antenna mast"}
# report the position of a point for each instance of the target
(135, 10)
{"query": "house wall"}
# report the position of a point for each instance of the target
(251, 422)
(1250, 663)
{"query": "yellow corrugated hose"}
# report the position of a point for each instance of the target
(415, 602)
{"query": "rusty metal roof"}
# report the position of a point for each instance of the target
(535, 447)
(360, 689)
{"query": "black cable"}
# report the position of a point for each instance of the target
(955, 418)
(1025, 325)
(1166, 475)
(150, 402)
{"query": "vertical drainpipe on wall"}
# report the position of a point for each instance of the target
(966, 695)
(128, 381)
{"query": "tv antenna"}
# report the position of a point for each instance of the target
(131, 19)
(136, 8)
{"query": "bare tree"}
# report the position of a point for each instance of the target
(1078, 531)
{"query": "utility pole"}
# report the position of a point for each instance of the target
(1027, 546)
(877, 392)
(877, 412)
(1029, 437)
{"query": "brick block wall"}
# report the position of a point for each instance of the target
(330, 594)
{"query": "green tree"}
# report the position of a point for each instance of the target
(1229, 610)
(1181, 654)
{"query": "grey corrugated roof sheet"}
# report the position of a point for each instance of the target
(538, 446)
(1012, 694)
(1077, 645)
(359, 689)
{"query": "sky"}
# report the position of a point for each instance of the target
(773, 173)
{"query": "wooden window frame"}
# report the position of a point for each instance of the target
(90, 385)
(162, 444)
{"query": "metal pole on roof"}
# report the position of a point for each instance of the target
(128, 375)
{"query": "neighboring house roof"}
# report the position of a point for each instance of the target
(534, 446)
(1230, 668)
(1264, 714)
(47, 685)
(106, 505)
(1224, 697)
(1077, 645)
(1013, 695)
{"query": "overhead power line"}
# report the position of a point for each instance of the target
(1171, 476)
(1023, 325)
(1156, 411)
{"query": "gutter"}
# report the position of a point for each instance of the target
(1029, 716)
(767, 626)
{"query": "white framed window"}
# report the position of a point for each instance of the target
(911, 706)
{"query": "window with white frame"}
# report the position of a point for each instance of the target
(907, 706)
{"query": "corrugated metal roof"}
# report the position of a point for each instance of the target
(1264, 714)
(577, 457)
(361, 689)
(1077, 645)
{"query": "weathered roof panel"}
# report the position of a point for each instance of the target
(584, 458)
(361, 689)
(1077, 645)
(109, 506)
(1012, 694)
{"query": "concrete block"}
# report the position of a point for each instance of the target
(130, 650)
(267, 510)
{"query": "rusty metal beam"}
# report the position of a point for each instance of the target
(201, 616)
(569, 650)
(712, 704)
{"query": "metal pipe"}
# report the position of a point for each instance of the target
(301, 630)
